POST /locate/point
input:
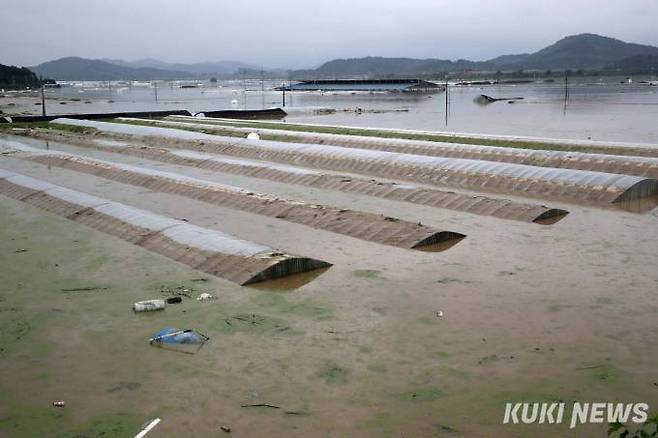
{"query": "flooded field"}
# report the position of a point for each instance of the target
(600, 108)
(387, 341)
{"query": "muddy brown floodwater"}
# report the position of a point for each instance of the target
(387, 342)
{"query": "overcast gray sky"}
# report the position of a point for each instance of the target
(302, 33)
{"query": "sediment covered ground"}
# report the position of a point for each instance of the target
(388, 341)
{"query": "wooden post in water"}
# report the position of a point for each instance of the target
(447, 100)
(155, 87)
(43, 101)
(283, 88)
(244, 89)
(566, 86)
(566, 90)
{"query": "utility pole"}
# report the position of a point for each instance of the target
(43, 101)
(244, 89)
(447, 100)
(566, 90)
(262, 87)
(566, 86)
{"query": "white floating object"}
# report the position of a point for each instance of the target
(253, 136)
(149, 305)
(204, 296)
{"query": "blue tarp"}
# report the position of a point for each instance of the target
(171, 335)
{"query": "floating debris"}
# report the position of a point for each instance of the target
(149, 305)
(172, 335)
(483, 99)
(147, 428)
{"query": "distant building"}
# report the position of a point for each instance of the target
(393, 85)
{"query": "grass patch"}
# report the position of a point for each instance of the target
(377, 368)
(383, 423)
(602, 371)
(119, 424)
(333, 374)
(557, 307)
(29, 421)
(366, 273)
(444, 428)
(281, 304)
(448, 280)
(8, 127)
(441, 354)
(519, 144)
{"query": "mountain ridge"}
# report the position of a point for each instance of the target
(583, 51)
(73, 68)
(575, 52)
(227, 67)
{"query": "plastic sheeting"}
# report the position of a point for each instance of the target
(75, 197)
(5, 173)
(121, 128)
(412, 193)
(509, 178)
(137, 217)
(629, 165)
(366, 226)
(213, 241)
(111, 143)
(29, 183)
(171, 335)
(208, 250)
(201, 156)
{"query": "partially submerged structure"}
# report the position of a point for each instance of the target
(474, 204)
(392, 85)
(514, 179)
(627, 165)
(357, 224)
(207, 250)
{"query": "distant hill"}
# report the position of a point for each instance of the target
(17, 77)
(140, 63)
(585, 51)
(219, 68)
(637, 64)
(77, 69)
(378, 66)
